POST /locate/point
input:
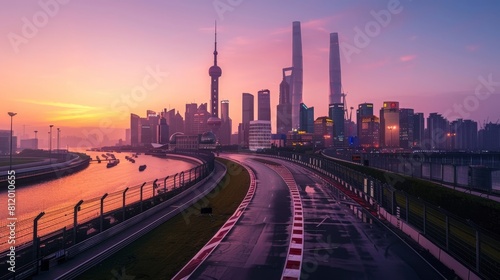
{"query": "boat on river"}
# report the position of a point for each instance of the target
(142, 167)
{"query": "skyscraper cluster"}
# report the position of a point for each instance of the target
(394, 128)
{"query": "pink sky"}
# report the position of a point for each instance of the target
(83, 65)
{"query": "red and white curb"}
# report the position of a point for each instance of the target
(295, 254)
(198, 259)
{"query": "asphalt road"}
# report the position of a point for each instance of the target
(341, 242)
(256, 247)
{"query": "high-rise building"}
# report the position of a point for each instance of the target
(306, 118)
(200, 120)
(247, 116)
(135, 130)
(489, 137)
(335, 71)
(226, 125)
(336, 113)
(370, 132)
(191, 109)
(463, 135)
(297, 73)
(163, 131)
(284, 108)
(418, 129)
(175, 121)
(259, 135)
(264, 105)
(323, 129)
(153, 122)
(214, 122)
(389, 124)
(146, 132)
(438, 128)
(364, 110)
(406, 128)
(5, 142)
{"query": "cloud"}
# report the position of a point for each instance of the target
(407, 58)
(57, 104)
(61, 111)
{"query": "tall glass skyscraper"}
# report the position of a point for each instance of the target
(335, 73)
(297, 73)
(306, 118)
(264, 105)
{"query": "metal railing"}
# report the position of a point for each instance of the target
(46, 238)
(476, 248)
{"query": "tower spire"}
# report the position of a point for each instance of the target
(215, 48)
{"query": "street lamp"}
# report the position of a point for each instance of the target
(50, 142)
(58, 131)
(11, 114)
(36, 139)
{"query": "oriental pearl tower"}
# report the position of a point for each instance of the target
(215, 72)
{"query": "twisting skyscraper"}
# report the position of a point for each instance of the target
(297, 73)
(335, 74)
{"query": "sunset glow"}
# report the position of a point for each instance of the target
(81, 63)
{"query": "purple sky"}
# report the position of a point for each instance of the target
(81, 63)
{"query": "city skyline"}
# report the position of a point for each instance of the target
(70, 76)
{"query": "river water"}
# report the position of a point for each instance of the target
(92, 182)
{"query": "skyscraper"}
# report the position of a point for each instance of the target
(191, 109)
(364, 110)
(463, 135)
(323, 130)
(175, 121)
(369, 133)
(135, 130)
(306, 118)
(284, 108)
(335, 72)
(438, 128)
(336, 113)
(247, 116)
(264, 105)
(418, 129)
(297, 73)
(389, 124)
(226, 126)
(406, 128)
(153, 121)
(163, 131)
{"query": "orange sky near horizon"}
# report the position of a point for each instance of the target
(93, 65)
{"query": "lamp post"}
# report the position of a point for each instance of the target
(58, 131)
(50, 142)
(11, 114)
(36, 140)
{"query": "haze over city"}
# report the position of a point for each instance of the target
(78, 64)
